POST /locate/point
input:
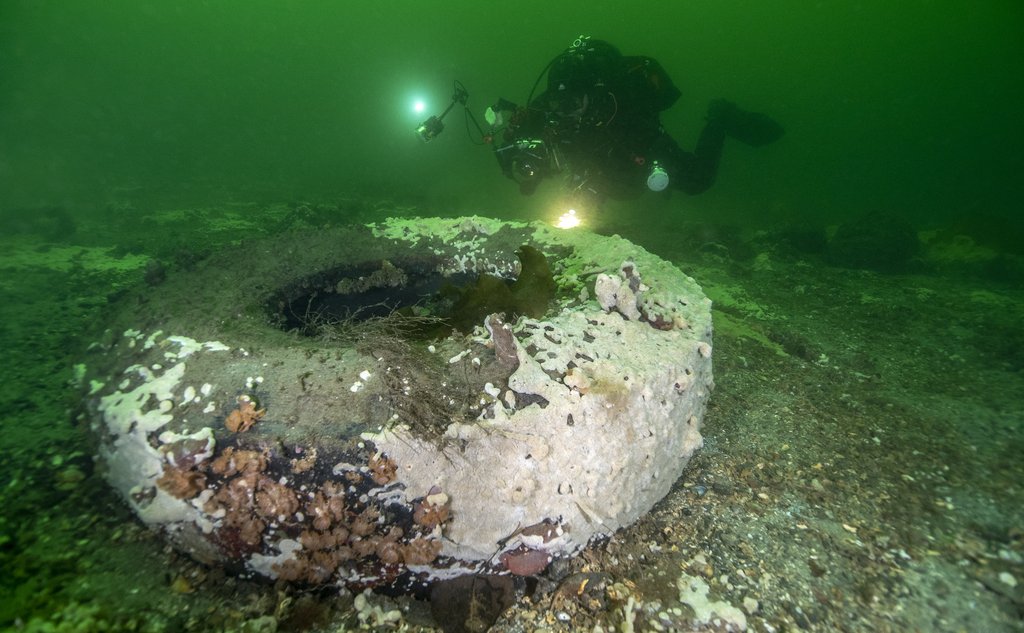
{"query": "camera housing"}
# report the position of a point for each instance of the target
(527, 161)
(429, 129)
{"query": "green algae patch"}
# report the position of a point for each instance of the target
(95, 259)
(731, 326)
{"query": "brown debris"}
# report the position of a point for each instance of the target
(504, 342)
(547, 530)
(234, 496)
(185, 452)
(326, 507)
(432, 510)
(321, 567)
(320, 558)
(233, 461)
(364, 547)
(525, 561)
(335, 531)
(421, 551)
(293, 569)
(234, 503)
(250, 529)
(275, 500)
(365, 523)
(389, 552)
(301, 465)
(382, 469)
(183, 484)
(314, 540)
(242, 418)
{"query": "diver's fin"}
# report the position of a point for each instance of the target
(755, 129)
(750, 128)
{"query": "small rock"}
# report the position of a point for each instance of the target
(69, 478)
(817, 570)
(722, 487)
(181, 585)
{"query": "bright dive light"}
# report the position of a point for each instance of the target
(568, 220)
(418, 106)
(429, 129)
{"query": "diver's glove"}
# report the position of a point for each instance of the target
(751, 128)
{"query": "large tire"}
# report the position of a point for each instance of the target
(373, 459)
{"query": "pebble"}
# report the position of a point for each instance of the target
(722, 487)
(1007, 579)
(181, 585)
(69, 478)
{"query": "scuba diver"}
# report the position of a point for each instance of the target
(598, 122)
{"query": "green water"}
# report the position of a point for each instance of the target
(163, 130)
(911, 108)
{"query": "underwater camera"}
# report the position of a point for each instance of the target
(530, 159)
(527, 161)
(429, 129)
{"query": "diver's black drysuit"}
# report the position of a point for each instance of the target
(600, 118)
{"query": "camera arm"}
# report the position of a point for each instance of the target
(429, 129)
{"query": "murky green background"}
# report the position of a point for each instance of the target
(138, 136)
(912, 108)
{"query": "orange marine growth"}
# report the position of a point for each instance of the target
(241, 419)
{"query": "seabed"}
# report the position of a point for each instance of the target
(861, 471)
